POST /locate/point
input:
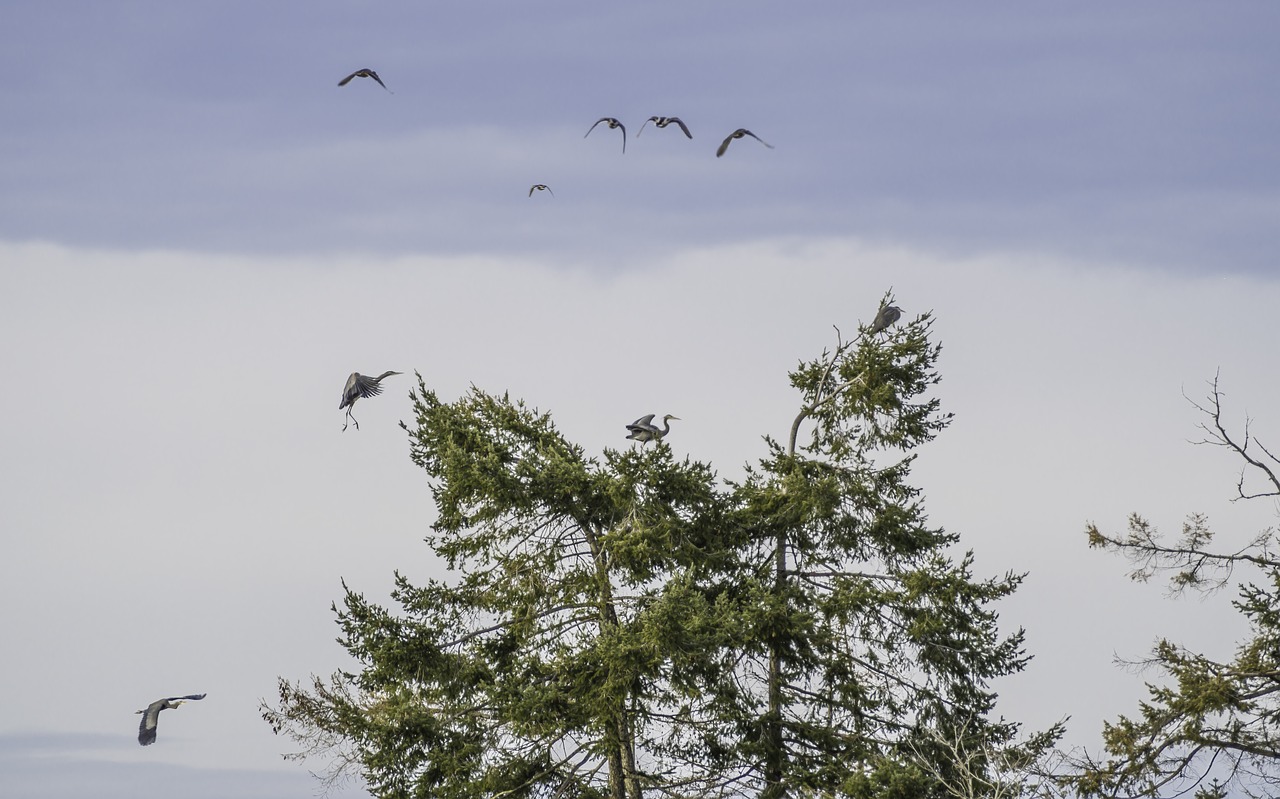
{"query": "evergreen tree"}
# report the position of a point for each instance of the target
(869, 644)
(1211, 727)
(628, 624)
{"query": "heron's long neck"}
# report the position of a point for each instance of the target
(385, 375)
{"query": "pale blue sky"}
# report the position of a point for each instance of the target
(201, 235)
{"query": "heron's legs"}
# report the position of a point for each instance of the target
(352, 418)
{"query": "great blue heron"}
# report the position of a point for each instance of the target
(644, 430)
(541, 187)
(662, 122)
(613, 123)
(363, 73)
(738, 134)
(151, 716)
(359, 386)
(887, 316)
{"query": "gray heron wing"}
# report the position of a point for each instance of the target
(643, 423)
(348, 78)
(683, 126)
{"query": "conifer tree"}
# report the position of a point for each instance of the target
(630, 625)
(1210, 727)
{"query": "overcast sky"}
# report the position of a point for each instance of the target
(201, 236)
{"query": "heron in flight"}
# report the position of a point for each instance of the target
(887, 316)
(738, 134)
(151, 716)
(359, 386)
(541, 187)
(612, 123)
(662, 122)
(644, 430)
(364, 73)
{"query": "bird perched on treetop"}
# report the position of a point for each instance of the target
(613, 123)
(662, 122)
(359, 386)
(364, 73)
(887, 316)
(151, 716)
(643, 429)
(738, 134)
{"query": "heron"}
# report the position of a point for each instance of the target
(364, 73)
(541, 187)
(738, 134)
(887, 316)
(644, 430)
(151, 715)
(612, 123)
(662, 122)
(359, 386)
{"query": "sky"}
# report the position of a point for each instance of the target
(202, 235)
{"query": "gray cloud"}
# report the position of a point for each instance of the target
(1091, 131)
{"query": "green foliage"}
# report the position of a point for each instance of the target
(1209, 727)
(618, 625)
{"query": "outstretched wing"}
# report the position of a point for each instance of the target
(683, 126)
(348, 78)
(188, 696)
(757, 138)
(643, 423)
(724, 145)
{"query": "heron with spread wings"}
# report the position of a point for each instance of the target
(738, 134)
(644, 430)
(364, 73)
(612, 123)
(360, 386)
(662, 122)
(151, 715)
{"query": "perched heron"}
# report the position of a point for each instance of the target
(359, 386)
(662, 122)
(644, 430)
(613, 123)
(541, 187)
(151, 716)
(738, 134)
(363, 73)
(887, 316)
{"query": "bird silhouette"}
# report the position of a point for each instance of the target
(738, 134)
(887, 316)
(613, 123)
(644, 430)
(364, 73)
(151, 716)
(662, 122)
(357, 387)
(541, 187)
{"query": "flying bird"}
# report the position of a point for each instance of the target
(363, 73)
(662, 122)
(613, 123)
(887, 316)
(738, 134)
(151, 716)
(540, 187)
(644, 430)
(360, 386)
